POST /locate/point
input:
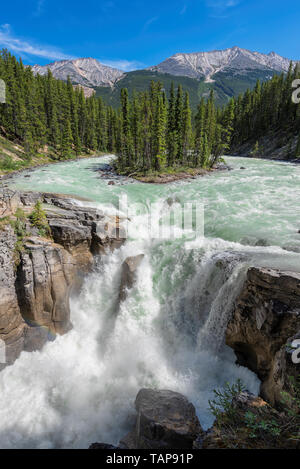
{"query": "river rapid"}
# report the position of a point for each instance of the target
(169, 332)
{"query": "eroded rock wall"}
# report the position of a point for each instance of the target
(265, 321)
(36, 281)
(11, 321)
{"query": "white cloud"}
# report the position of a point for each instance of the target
(20, 46)
(125, 65)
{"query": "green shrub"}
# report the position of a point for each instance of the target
(39, 220)
(19, 224)
(221, 407)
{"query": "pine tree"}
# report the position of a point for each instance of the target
(66, 142)
(126, 140)
(186, 128)
(199, 135)
(171, 131)
(29, 146)
(178, 125)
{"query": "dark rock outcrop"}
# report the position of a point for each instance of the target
(265, 321)
(128, 275)
(165, 420)
(104, 446)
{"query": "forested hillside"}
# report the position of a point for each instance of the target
(49, 116)
(224, 85)
(266, 119)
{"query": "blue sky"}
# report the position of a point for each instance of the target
(134, 34)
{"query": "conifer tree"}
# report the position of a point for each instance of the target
(178, 124)
(66, 142)
(186, 129)
(171, 131)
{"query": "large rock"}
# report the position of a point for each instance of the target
(11, 321)
(104, 446)
(9, 202)
(82, 231)
(265, 321)
(45, 276)
(128, 275)
(165, 420)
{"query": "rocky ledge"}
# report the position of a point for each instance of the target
(264, 324)
(36, 278)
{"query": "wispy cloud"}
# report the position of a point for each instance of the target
(20, 46)
(222, 8)
(149, 22)
(39, 9)
(222, 4)
(125, 65)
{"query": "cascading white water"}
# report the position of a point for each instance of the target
(168, 333)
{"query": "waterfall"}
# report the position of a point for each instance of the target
(169, 332)
(77, 391)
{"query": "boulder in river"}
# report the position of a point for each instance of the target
(128, 275)
(165, 420)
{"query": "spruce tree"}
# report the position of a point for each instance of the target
(66, 142)
(171, 131)
(178, 125)
(186, 129)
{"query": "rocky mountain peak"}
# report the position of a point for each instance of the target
(206, 64)
(87, 72)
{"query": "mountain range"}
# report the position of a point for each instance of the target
(229, 72)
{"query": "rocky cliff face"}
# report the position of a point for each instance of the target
(11, 322)
(87, 72)
(206, 64)
(265, 321)
(36, 281)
